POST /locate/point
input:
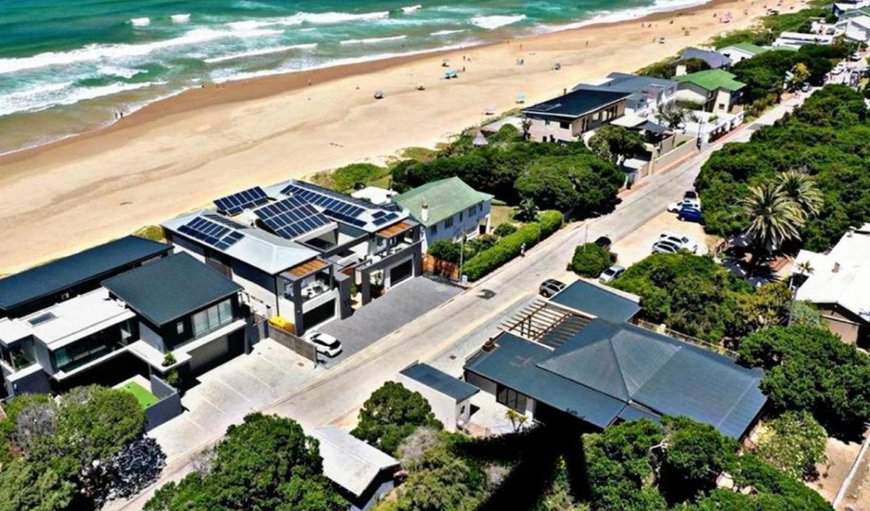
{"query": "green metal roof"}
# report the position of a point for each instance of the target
(446, 197)
(595, 300)
(749, 48)
(712, 79)
(170, 288)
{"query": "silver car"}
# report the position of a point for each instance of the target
(611, 273)
(665, 247)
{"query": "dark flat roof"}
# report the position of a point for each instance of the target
(440, 381)
(597, 301)
(68, 272)
(577, 103)
(170, 288)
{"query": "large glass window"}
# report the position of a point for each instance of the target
(212, 318)
(91, 348)
(511, 398)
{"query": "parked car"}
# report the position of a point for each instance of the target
(604, 242)
(550, 287)
(691, 194)
(665, 247)
(855, 57)
(805, 87)
(690, 214)
(682, 240)
(611, 273)
(675, 207)
(324, 343)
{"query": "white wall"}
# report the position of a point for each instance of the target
(445, 408)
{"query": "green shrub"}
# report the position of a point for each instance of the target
(344, 178)
(550, 222)
(505, 229)
(446, 250)
(503, 251)
(590, 260)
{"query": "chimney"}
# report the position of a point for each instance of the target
(424, 212)
(681, 70)
(836, 267)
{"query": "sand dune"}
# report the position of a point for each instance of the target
(180, 153)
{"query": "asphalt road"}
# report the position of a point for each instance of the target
(333, 397)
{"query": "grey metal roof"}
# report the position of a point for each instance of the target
(62, 274)
(598, 301)
(260, 249)
(713, 59)
(170, 288)
(349, 462)
(514, 364)
(440, 381)
(577, 103)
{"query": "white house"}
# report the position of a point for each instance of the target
(449, 397)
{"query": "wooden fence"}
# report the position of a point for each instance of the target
(440, 267)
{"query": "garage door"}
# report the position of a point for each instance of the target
(319, 314)
(210, 355)
(401, 272)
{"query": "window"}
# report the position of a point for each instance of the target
(461, 215)
(565, 125)
(434, 229)
(212, 318)
(448, 223)
(179, 328)
(511, 398)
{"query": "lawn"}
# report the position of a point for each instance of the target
(144, 397)
(502, 214)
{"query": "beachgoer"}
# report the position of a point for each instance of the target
(523, 250)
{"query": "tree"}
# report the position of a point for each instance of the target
(580, 183)
(590, 260)
(616, 143)
(802, 190)
(129, 472)
(264, 463)
(673, 115)
(799, 74)
(528, 210)
(391, 414)
(795, 443)
(694, 456)
(774, 218)
(446, 250)
(810, 369)
(26, 486)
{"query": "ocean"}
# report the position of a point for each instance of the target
(67, 66)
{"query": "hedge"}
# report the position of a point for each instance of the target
(590, 260)
(511, 245)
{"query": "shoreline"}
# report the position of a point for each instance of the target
(183, 151)
(231, 91)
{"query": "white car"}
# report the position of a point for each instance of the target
(675, 207)
(683, 241)
(665, 247)
(324, 343)
(611, 273)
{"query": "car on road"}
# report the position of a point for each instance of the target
(611, 273)
(691, 194)
(550, 287)
(690, 214)
(675, 207)
(603, 242)
(325, 343)
(682, 240)
(665, 247)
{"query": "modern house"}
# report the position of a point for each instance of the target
(855, 28)
(714, 59)
(42, 286)
(448, 209)
(714, 90)
(125, 328)
(298, 249)
(362, 473)
(843, 9)
(567, 117)
(797, 39)
(837, 283)
(647, 94)
(449, 398)
(742, 51)
(555, 362)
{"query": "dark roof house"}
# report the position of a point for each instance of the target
(713, 59)
(597, 301)
(577, 103)
(41, 286)
(440, 381)
(171, 288)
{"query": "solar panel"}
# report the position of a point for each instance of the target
(384, 219)
(212, 233)
(291, 217)
(238, 202)
(342, 205)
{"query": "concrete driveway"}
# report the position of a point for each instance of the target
(638, 244)
(401, 305)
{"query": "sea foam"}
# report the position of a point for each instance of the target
(41, 98)
(314, 18)
(445, 32)
(373, 40)
(493, 22)
(411, 8)
(180, 18)
(262, 51)
(140, 22)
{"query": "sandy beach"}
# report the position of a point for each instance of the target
(180, 153)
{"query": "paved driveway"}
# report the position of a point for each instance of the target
(638, 244)
(401, 305)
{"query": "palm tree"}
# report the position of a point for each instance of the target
(774, 218)
(801, 189)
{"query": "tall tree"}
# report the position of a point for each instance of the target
(802, 190)
(616, 143)
(391, 414)
(774, 218)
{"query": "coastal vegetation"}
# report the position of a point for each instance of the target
(266, 462)
(74, 451)
(391, 414)
(590, 260)
(825, 140)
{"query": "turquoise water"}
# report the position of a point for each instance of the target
(67, 66)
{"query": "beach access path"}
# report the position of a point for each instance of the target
(335, 396)
(183, 152)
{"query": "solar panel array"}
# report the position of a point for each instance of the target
(238, 202)
(291, 217)
(340, 209)
(212, 233)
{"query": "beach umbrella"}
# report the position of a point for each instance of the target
(379, 94)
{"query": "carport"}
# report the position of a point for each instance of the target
(403, 304)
